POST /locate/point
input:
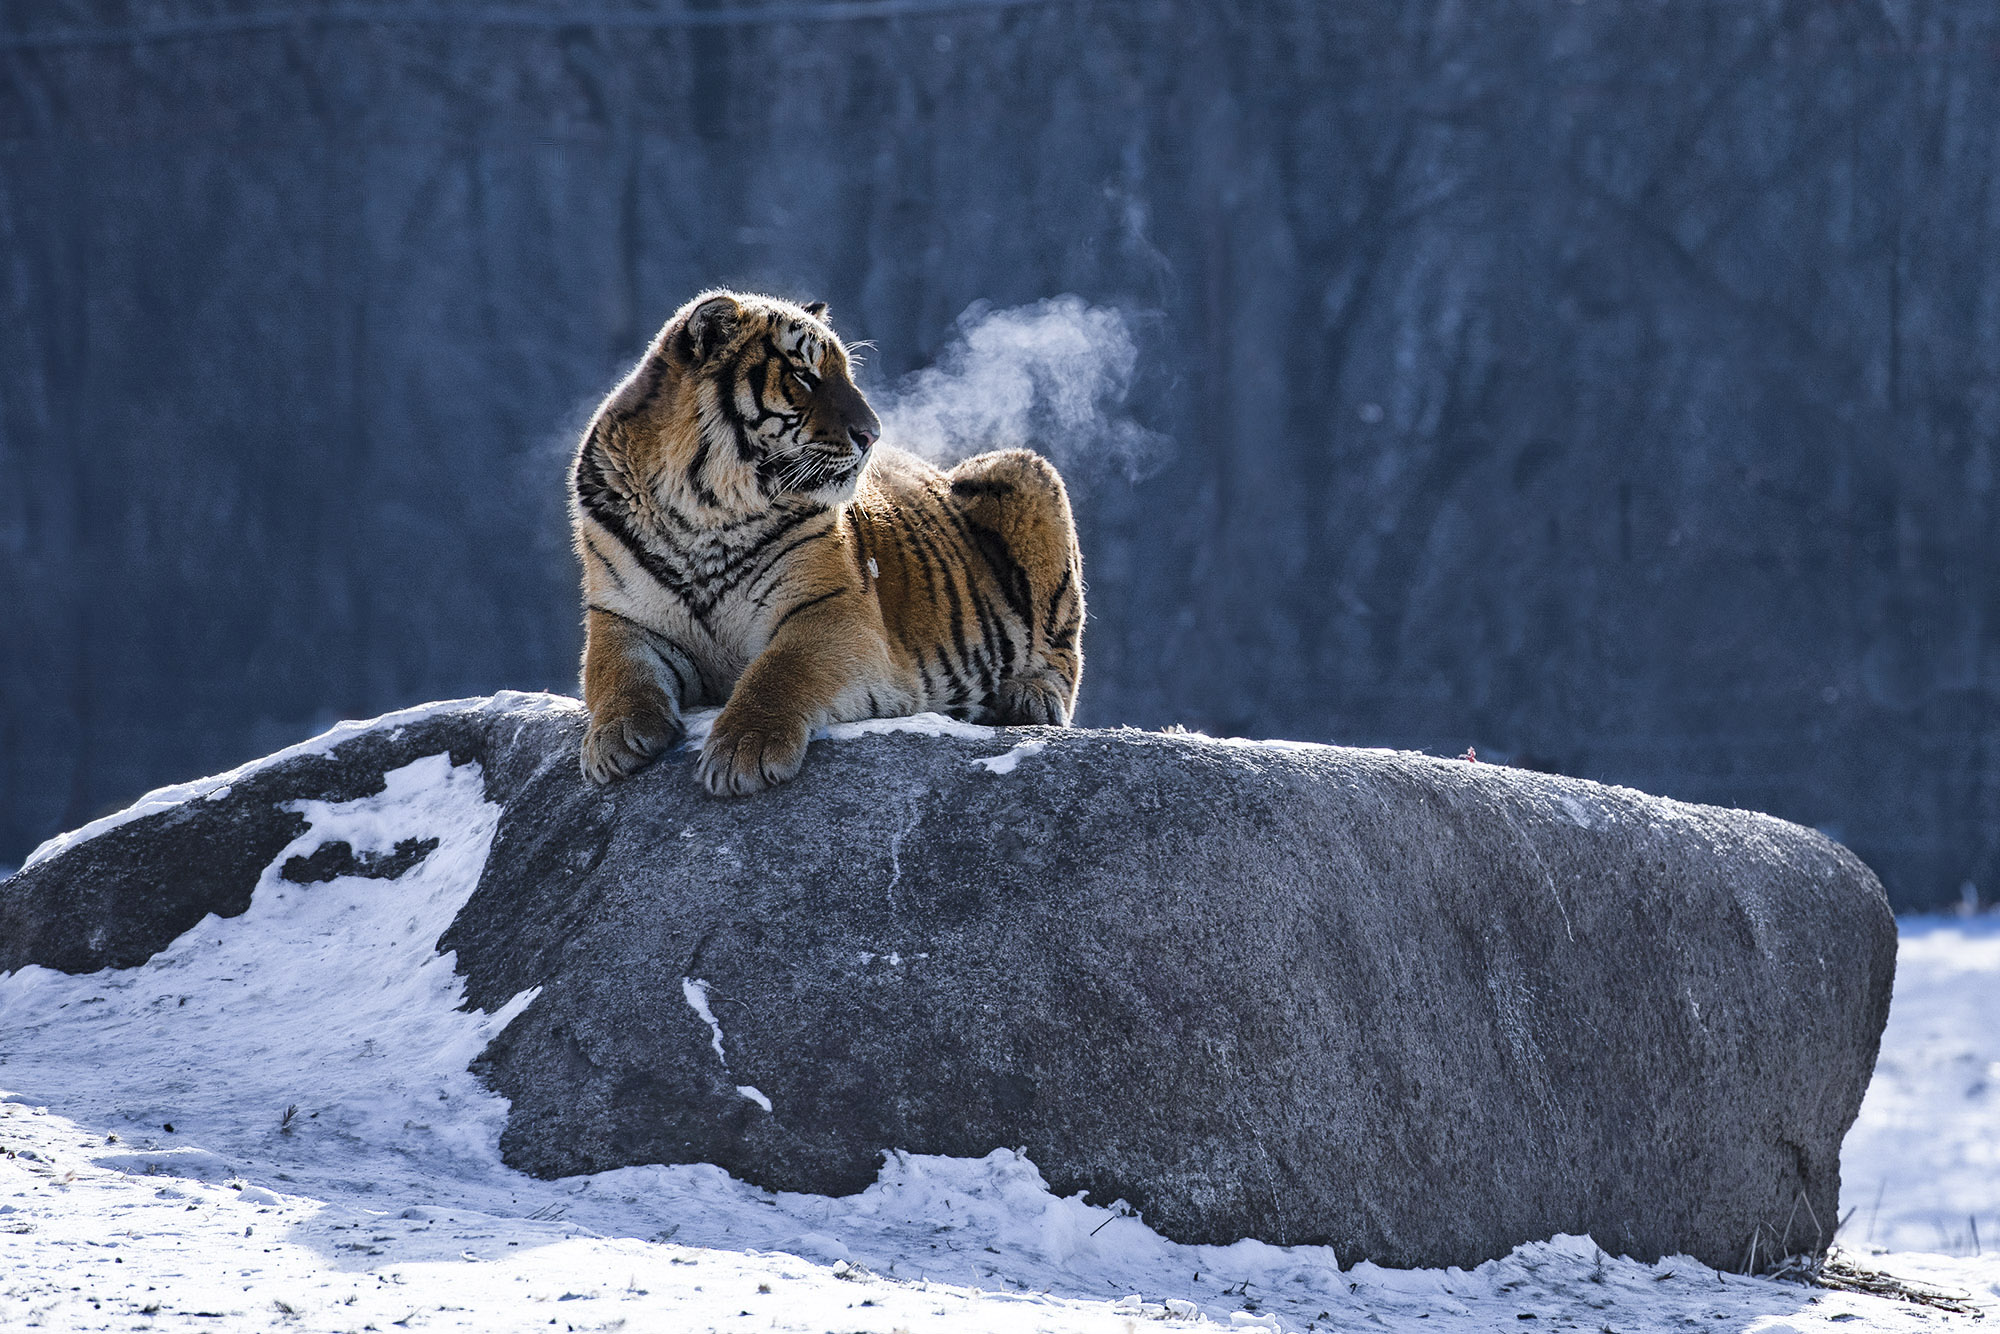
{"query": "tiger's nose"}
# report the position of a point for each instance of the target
(863, 437)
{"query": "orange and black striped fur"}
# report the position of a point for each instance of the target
(745, 542)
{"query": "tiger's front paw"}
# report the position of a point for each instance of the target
(738, 760)
(1030, 704)
(622, 741)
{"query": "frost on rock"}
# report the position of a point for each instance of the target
(695, 992)
(1005, 764)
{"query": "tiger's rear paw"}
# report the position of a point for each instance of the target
(622, 742)
(739, 761)
(1030, 704)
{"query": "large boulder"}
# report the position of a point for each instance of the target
(1420, 1010)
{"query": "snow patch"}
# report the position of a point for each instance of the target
(194, 1164)
(1244, 743)
(695, 991)
(1921, 1167)
(330, 997)
(1004, 764)
(1579, 815)
(217, 786)
(700, 722)
(923, 724)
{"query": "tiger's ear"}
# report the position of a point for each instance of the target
(817, 309)
(710, 325)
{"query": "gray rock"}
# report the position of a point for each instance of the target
(1420, 1010)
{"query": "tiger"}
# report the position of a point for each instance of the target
(747, 540)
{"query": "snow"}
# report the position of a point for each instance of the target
(922, 724)
(695, 992)
(1246, 743)
(217, 787)
(1004, 764)
(699, 723)
(271, 1125)
(1921, 1168)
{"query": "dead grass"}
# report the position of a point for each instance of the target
(1836, 1271)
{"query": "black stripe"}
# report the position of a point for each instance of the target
(715, 529)
(775, 565)
(982, 488)
(610, 569)
(999, 559)
(947, 678)
(861, 554)
(695, 470)
(656, 641)
(1009, 651)
(952, 602)
(925, 559)
(1055, 598)
(720, 582)
(664, 574)
(809, 602)
(593, 488)
(640, 626)
(1008, 573)
(738, 425)
(982, 610)
(958, 639)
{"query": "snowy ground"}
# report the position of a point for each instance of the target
(270, 1126)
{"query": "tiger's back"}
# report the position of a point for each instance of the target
(979, 581)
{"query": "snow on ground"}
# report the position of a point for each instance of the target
(270, 1126)
(1921, 1168)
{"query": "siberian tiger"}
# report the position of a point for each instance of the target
(746, 542)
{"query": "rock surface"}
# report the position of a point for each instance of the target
(1421, 1010)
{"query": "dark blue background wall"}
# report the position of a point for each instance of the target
(1611, 386)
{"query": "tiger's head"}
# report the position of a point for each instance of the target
(766, 406)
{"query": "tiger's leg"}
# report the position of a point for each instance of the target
(1019, 512)
(818, 660)
(632, 686)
